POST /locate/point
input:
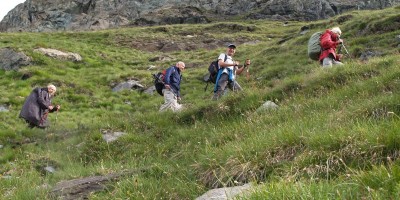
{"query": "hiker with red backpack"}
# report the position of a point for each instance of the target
(228, 69)
(329, 40)
(171, 89)
(38, 105)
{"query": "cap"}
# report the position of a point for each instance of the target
(232, 46)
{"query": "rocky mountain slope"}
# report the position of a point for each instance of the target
(59, 15)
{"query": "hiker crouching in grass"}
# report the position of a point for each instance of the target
(227, 73)
(171, 90)
(38, 105)
(330, 39)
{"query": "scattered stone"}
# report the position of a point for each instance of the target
(81, 188)
(6, 177)
(3, 108)
(283, 40)
(254, 42)
(160, 58)
(225, 193)
(44, 186)
(268, 105)
(304, 30)
(343, 18)
(80, 145)
(150, 90)
(1, 146)
(26, 76)
(54, 53)
(110, 136)
(13, 60)
(50, 169)
(206, 77)
(285, 23)
(45, 166)
(365, 56)
(131, 84)
(151, 67)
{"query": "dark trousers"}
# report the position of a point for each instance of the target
(223, 84)
(32, 125)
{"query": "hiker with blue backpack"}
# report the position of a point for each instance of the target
(329, 40)
(171, 89)
(228, 69)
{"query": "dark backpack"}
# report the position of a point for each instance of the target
(159, 79)
(213, 71)
(314, 46)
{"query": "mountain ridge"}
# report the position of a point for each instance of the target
(77, 15)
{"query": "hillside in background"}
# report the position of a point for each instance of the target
(335, 134)
(76, 15)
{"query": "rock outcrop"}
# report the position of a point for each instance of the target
(226, 193)
(56, 15)
(13, 60)
(54, 53)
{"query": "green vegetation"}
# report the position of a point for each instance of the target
(334, 136)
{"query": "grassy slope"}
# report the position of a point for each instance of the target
(334, 136)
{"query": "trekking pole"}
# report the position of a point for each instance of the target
(234, 79)
(345, 49)
(247, 69)
(55, 122)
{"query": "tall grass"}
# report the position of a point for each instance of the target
(334, 136)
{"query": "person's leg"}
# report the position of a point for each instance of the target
(222, 83)
(30, 124)
(236, 87)
(335, 62)
(176, 106)
(327, 62)
(169, 98)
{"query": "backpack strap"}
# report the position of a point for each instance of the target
(219, 74)
(225, 58)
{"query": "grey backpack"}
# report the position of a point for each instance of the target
(314, 46)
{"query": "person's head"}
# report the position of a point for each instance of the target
(231, 50)
(52, 89)
(180, 65)
(337, 31)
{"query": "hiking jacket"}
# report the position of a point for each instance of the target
(36, 107)
(329, 42)
(173, 78)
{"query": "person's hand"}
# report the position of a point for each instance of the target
(340, 41)
(178, 98)
(236, 63)
(167, 87)
(51, 107)
(339, 56)
(247, 62)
